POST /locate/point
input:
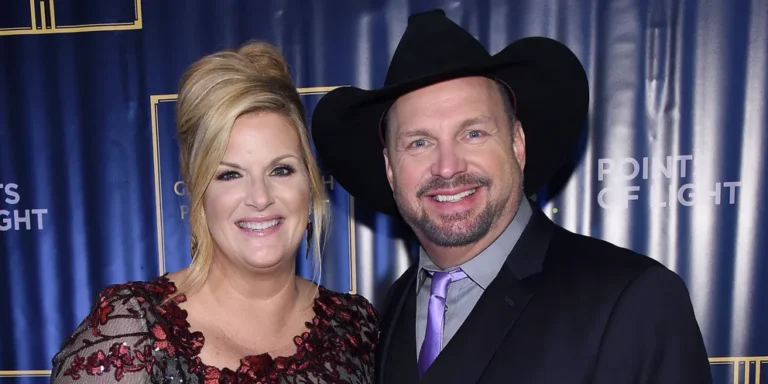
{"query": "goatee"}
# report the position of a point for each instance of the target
(456, 229)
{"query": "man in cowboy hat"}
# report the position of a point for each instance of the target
(454, 142)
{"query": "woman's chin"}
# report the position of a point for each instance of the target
(266, 261)
(261, 259)
(263, 266)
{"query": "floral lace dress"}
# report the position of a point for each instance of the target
(131, 336)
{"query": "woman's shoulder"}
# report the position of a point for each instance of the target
(347, 300)
(351, 320)
(129, 300)
(153, 291)
(348, 309)
(117, 327)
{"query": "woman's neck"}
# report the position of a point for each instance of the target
(246, 313)
(253, 295)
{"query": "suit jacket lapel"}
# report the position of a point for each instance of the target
(398, 326)
(471, 349)
(403, 368)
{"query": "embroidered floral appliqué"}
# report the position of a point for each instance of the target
(132, 330)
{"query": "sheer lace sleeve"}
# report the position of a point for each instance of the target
(368, 324)
(362, 335)
(112, 344)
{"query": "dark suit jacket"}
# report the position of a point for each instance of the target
(564, 308)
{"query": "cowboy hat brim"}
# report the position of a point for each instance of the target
(551, 96)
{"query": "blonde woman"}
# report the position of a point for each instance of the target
(238, 312)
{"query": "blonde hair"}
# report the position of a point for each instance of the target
(214, 91)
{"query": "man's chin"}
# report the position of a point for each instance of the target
(451, 232)
(452, 238)
(456, 229)
(454, 222)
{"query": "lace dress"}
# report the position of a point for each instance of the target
(131, 336)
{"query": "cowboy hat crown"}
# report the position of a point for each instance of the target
(547, 82)
(432, 45)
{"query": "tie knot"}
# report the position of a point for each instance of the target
(454, 275)
(441, 281)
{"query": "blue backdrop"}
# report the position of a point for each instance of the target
(674, 164)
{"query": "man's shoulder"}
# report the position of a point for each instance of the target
(403, 282)
(576, 250)
(602, 266)
(399, 287)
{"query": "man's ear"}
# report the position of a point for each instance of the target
(388, 168)
(518, 144)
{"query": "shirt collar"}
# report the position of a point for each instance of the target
(484, 267)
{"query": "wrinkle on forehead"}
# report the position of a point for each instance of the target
(441, 99)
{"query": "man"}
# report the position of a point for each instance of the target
(454, 142)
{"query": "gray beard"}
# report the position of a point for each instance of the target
(446, 235)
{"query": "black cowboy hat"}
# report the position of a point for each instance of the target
(549, 89)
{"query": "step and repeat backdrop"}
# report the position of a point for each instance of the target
(673, 166)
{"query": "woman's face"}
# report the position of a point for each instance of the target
(257, 204)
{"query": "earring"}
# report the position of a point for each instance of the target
(193, 246)
(309, 236)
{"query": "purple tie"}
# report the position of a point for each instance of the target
(433, 339)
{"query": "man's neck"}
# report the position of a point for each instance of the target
(449, 257)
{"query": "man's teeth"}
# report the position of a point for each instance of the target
(454, 198)
(258, 226)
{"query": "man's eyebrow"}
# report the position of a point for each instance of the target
(414, 132)
(475, 121)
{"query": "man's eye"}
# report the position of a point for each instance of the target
(475, 134)
(419, 143)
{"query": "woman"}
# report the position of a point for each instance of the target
(238, 313)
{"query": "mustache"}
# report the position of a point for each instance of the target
(463, 179)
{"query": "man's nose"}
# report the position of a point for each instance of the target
(450, 161)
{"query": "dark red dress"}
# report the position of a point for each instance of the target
(131, 336)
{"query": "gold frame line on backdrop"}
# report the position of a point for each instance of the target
(748, 361)
(43, 26)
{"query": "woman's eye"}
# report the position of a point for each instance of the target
(227, 175)
(283, 170)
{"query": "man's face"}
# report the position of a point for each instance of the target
(453, 161)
